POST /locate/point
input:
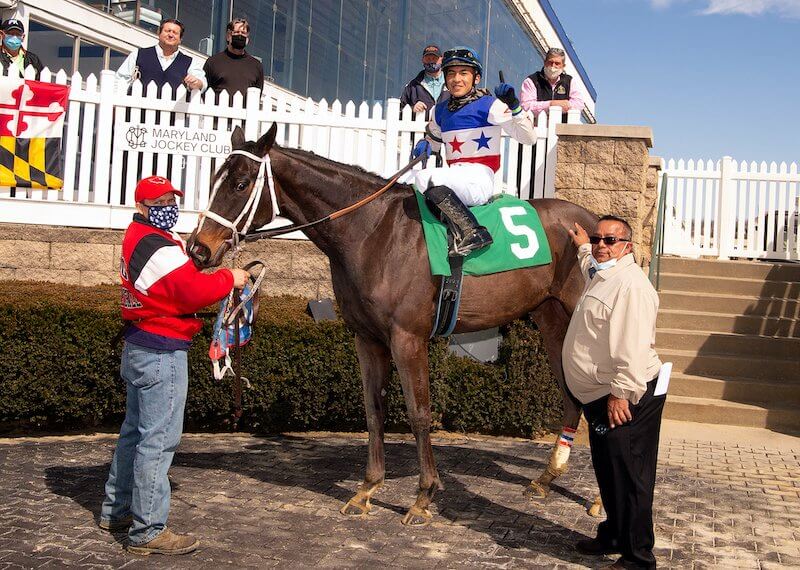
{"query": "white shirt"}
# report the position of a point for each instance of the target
(126, 70)
(610, 343)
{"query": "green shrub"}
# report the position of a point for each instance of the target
(58, 371)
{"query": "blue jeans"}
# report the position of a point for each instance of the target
(137, 484)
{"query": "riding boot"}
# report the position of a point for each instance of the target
(467, 234)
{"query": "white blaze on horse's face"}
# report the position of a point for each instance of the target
(248, 211)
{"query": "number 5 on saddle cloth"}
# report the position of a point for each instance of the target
(233, 327)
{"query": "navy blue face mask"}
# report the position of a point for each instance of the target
(163, 217)
(432, 67)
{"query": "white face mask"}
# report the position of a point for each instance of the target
(605, 265)
(552, 72)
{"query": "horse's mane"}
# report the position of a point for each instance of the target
(321, 163)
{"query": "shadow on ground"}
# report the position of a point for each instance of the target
(331, 468)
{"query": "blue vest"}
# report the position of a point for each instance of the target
(150, 69)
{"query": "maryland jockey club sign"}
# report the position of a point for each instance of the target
(31, 124)
(137, 137)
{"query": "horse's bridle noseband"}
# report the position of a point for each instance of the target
(250, 207)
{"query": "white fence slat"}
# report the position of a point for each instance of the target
(105, 127)
(71, 144)
(550, 159)
(376, 150)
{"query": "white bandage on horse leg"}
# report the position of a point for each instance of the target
(560, 455)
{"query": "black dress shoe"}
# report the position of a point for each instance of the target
(595, 547)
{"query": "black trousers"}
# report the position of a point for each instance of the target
(625, 460)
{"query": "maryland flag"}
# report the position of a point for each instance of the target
(31, 123)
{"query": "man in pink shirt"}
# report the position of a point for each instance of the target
(550, 87)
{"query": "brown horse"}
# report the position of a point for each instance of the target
(383, 284)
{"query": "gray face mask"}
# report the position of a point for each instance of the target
(432, 67)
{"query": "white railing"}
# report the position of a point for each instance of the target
(113, 139)
(728, 209)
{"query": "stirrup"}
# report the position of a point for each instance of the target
(476, 240)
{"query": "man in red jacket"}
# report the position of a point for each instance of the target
(161, 289)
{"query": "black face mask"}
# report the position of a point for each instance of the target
(238, 41)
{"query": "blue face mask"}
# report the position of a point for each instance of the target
(163, 217)
(605, 265)
(12, 42)
(432, 67)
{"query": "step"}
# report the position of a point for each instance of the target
(727, 366)
(735, 389)
(729, 285)
(706, 342)
(706, 410)
(729, 304)
(764, 270)
(728, 323)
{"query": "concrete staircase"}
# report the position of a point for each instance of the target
(732, 330)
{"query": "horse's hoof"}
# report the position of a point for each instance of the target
(355, 509)
(595, 508)
(417, 517)
(536, 491)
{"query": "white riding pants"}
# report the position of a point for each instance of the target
(473, 183)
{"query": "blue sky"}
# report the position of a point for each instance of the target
(711, 77)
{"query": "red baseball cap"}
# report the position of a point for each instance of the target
(154, 187)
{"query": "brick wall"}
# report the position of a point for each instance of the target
(90, 257)
(607, 169)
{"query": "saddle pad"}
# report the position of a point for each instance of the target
(519, 238)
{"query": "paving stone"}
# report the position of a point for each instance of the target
(259, 502)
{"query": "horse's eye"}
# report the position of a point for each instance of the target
(241, 187)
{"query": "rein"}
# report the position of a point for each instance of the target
(250, 207)
(338, 213)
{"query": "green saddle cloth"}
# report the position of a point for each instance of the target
(519, 238)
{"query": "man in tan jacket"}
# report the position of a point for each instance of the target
(611, 366)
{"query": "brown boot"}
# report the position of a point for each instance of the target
(166, 543)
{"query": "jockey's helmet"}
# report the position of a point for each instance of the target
(462, 55)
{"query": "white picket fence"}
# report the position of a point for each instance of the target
(101, 171)
(727, 209)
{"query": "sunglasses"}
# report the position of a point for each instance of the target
(608, 240)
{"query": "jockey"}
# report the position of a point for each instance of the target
(470, 126)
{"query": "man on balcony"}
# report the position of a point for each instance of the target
(550, 87)
(233, 69)
(12, 52)
(163, 63)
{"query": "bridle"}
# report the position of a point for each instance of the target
(250, 207)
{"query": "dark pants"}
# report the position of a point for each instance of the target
(625, 461)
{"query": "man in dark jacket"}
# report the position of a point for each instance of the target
(427, 88)
(12, 52)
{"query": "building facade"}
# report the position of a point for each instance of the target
(359, 50)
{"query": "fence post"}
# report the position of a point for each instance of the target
(553, 118)
(103, 136)
(251, 113)
(392, 134)
(725, 215)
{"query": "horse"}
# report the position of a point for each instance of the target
(383, 284)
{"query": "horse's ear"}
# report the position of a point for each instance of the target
(237, 138)
(265, 142)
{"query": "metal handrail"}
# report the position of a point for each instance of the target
(657, 250)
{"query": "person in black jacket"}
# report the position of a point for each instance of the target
(12, 52)
(427, 88)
